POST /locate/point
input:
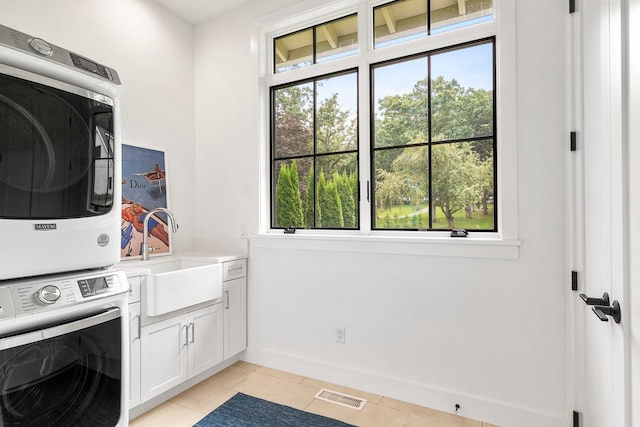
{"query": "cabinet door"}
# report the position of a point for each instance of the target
(235, 316)
(164, 351)
(134, 354)
(205, 338)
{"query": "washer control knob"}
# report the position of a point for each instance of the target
(41, 46)
(48, 294)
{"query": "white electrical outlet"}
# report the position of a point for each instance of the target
(340, 334)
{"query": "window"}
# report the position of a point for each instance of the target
(315, 153)
(424, 155)
(433, 140)
(320, 43)
(403, 20)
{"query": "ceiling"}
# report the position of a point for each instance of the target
(196, 11)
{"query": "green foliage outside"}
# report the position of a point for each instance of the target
(309, 218)
(336, 206)
(417, 217)
(461, 172)
(288, 202)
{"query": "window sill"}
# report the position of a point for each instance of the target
(468, 247)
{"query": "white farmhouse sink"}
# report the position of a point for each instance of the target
(179, 282)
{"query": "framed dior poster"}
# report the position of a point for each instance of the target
(144, 188)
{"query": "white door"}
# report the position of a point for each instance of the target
(601, 212)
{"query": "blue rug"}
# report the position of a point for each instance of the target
(247, 411)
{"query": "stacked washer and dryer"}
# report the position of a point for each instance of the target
(63, 308)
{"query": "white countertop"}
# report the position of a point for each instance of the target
(135, 267)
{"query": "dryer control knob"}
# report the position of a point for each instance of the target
(41, 46)
(48, 294)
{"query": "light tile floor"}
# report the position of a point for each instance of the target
(296, 391)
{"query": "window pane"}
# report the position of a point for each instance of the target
(402, 188)
(336, 115)
(337, 191)
(293, 51)
(450, 14)
(400, 104)
(337, 38)
(462, 93)
(293, 121)
(463, 180)
(292, 193)
(399, 21)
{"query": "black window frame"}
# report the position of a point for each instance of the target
(315, 155)
(430, 143)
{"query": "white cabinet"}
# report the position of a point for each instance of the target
(235, 307)
(134, 341)
(205, 339)
(163, 366)
(235, 317)
(175, 349)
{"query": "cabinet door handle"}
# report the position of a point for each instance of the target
(137, 316)
(186, 335)
(193, 332)
(226, 293)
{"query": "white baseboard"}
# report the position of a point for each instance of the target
(476, 407)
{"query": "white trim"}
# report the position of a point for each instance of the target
(507, 119)
(472, 406)
(503, 27)
(574, 333)
(470, 247)
(633, 128)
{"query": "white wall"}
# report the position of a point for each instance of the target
(152, 50)
(486, 333)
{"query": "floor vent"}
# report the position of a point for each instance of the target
(341, 399)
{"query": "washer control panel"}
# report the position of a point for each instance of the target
(41, 48)
(35, 295)
(98, 285)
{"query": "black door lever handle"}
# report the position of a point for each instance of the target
(596, 301)
(603, 311)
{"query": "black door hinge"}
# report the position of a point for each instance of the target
(574, 280)
(573, 141)
(576, 419)
(572, 6)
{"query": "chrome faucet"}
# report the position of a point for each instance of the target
(145, 229)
